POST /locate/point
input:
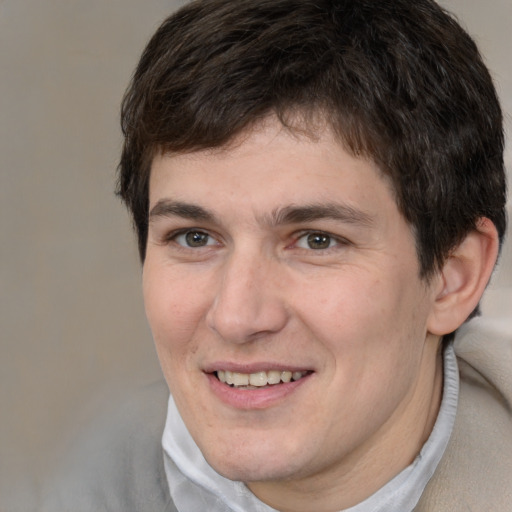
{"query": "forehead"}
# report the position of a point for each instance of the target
(269, 166)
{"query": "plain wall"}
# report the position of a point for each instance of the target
(72, 318)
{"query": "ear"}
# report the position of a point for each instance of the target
(463, 278)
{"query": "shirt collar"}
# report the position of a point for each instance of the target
(195, 485)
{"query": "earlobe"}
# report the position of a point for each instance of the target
(463, 278)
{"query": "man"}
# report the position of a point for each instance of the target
(319, 196)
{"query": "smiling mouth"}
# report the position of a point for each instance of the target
(258, 380)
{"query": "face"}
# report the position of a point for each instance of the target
(282, 288)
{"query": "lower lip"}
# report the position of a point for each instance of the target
(260, 398)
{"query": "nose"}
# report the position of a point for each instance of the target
(249, 302)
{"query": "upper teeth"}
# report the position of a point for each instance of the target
(258, 379)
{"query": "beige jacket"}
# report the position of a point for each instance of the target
(475, 473)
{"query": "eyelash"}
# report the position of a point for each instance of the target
(174, 235)
(336, 240)
(297, 237)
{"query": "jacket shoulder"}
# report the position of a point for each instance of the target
(116, 464)
(476, 470)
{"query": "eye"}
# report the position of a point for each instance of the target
(193, 239)
(316, 241)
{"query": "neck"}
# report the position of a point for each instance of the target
(369, 467)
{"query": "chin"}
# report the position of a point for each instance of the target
(255, 463)
(254, 472)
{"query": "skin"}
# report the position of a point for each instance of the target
(346, 304)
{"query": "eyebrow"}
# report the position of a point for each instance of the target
(170, 208)
(336, 211)
(292, 214)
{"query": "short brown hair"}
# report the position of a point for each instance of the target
(398, 81)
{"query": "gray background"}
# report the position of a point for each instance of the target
(73, 326)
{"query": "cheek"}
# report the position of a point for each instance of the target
(346, 306)
(364, 320)
(174, 311)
